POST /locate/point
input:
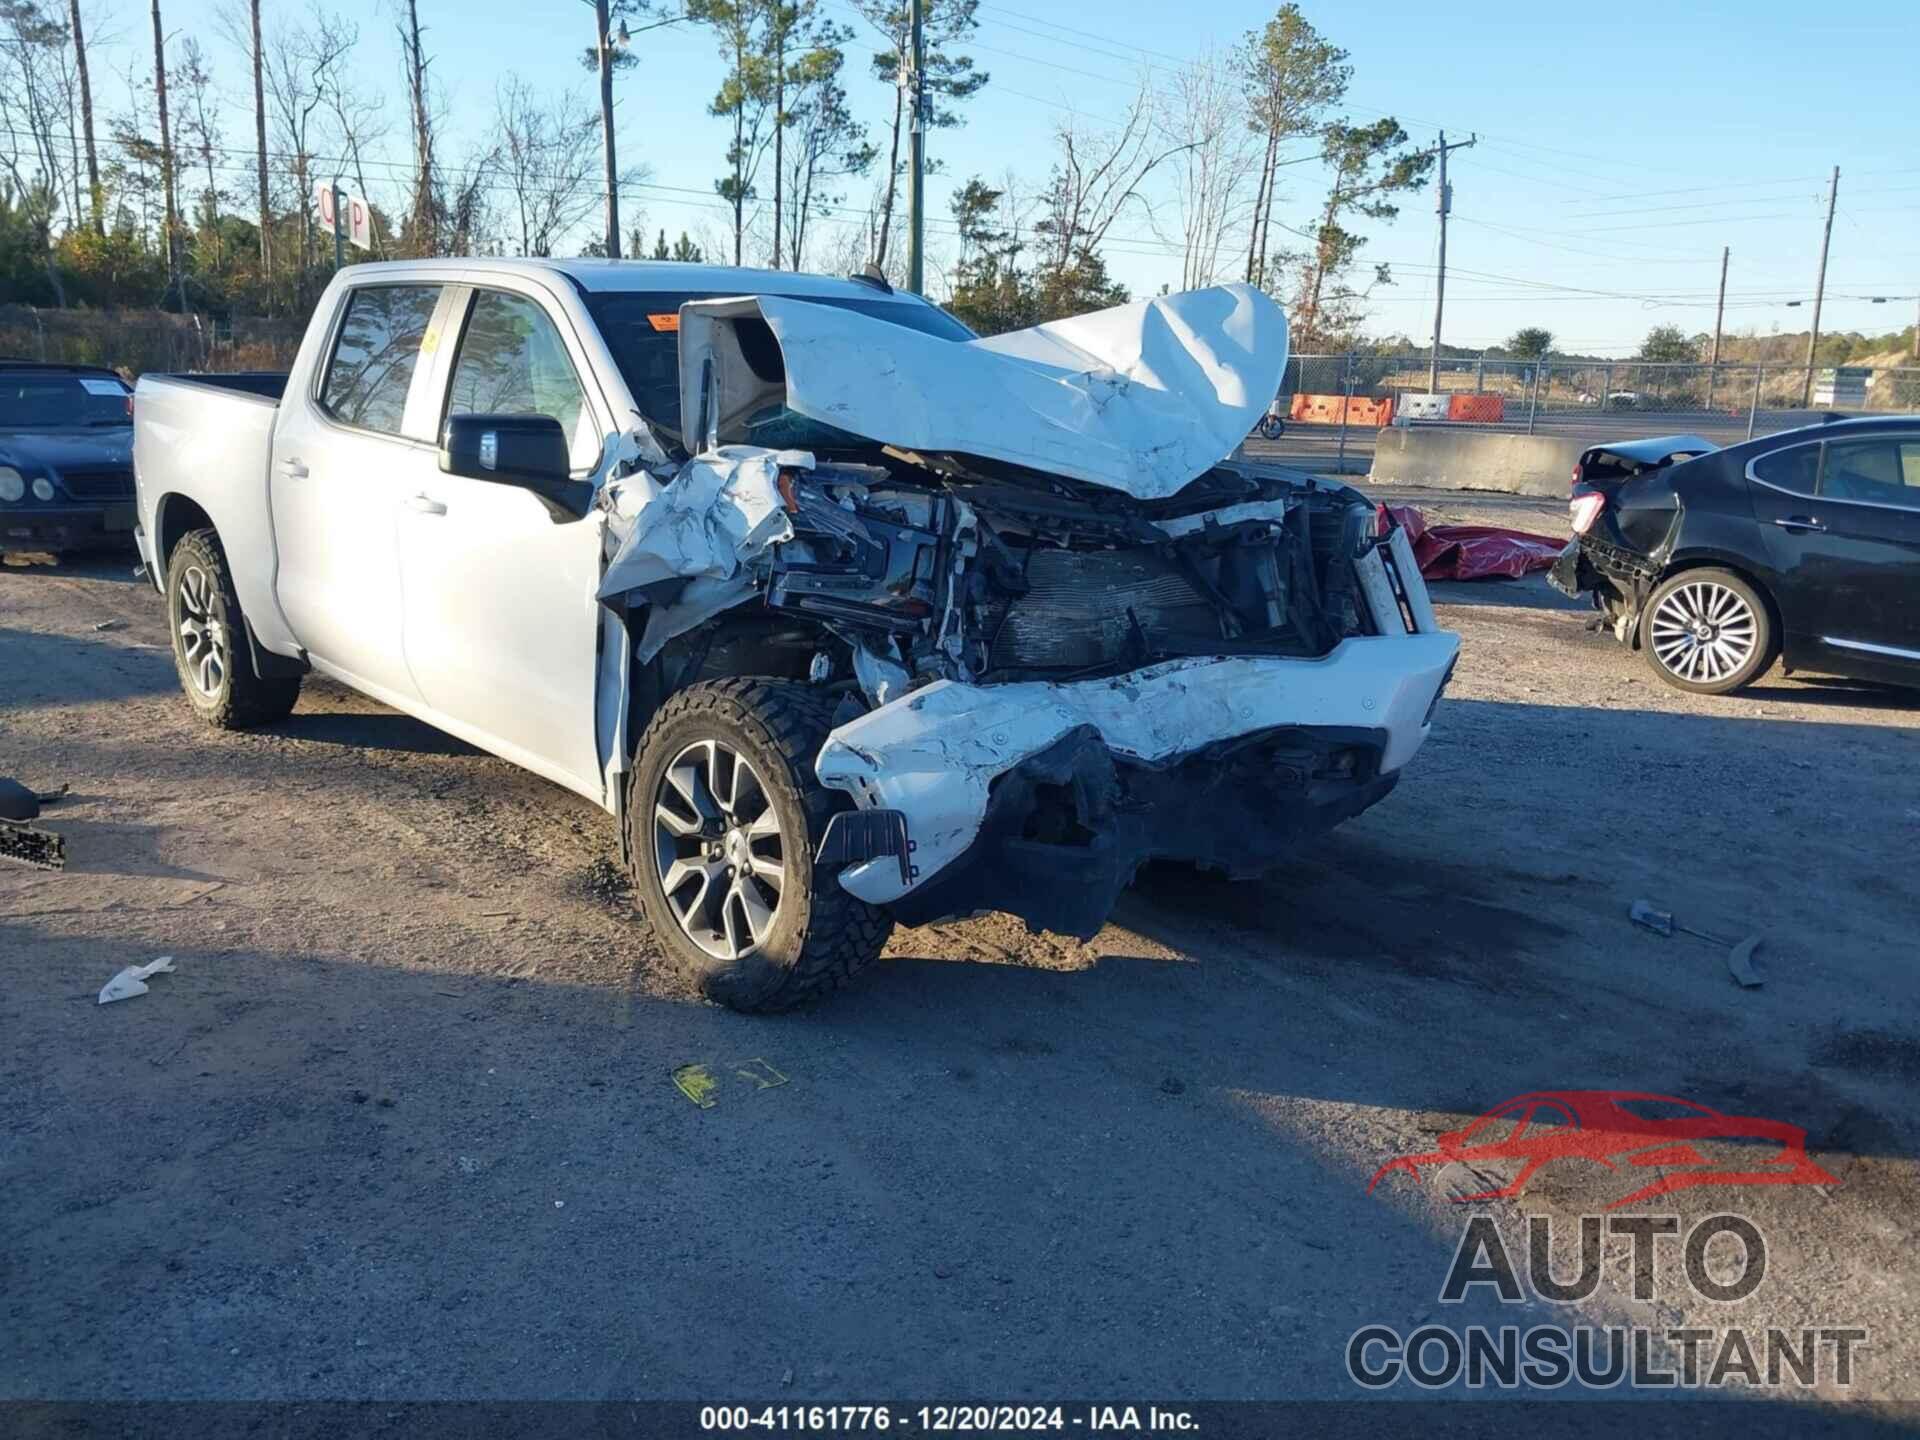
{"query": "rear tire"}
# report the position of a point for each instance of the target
(210, 650)
(1707, 632)
(724, 814)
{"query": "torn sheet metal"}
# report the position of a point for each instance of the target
(934, 754)
(721, 511)
(1472, 552)
(1140, 398)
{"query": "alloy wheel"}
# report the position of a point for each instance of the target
(719, 849)
(204, 644)
(1703, 632)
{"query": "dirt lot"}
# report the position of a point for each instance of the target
(404, 1125)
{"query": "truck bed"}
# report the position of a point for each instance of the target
(203, 445)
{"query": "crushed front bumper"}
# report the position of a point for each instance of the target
(1041, 799)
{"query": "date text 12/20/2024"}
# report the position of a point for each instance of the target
(947, 1419)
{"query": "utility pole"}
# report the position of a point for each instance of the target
(339, 228)
(602, 22)
(917, 162)
(1719, 315)
(1444, 204)
(1820, 289)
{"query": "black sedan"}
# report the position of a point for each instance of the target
(1802, 547)
(66, 457)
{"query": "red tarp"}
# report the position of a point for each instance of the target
(1471, 552)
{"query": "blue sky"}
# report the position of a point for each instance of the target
(1621, 145)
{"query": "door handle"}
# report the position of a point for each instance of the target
(1801, 522)
(425, 505)
(293, 470)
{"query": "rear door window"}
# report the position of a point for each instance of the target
(376, 355)
(1874, 472)
(513, 362)
(1796, 469)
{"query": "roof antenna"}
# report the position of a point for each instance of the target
(872, 274)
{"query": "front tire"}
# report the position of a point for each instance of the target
(1707, 632)
(210, 641)
(724, 814)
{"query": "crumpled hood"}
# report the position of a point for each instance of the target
(1141, 398)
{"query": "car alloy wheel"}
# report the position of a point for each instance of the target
(204, 645)
(719, 848)
(1703, 632)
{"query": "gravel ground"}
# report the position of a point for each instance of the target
(403, 1125)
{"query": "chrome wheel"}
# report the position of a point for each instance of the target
(204, 643)
(1703, 632)
(719, 849)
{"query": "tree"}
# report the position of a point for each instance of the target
(33, 65)
(200, 137)
(1369, 163)
(300, 66)
(1213, 159)
(96, 197)
(423, 221)
(1530, 343)
(745, 97)
(1291, 77)
(548, 157)
(1097, 178)
(684, 250)
(829, 144)
(947, 80)
(1667, 344)
(175, 275)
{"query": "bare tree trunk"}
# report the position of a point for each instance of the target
(174, 281)
(779, 137)
(739, 183)
(260, 151)
(86, 119)
(1263, 215)
(893, 180)
(425, 238)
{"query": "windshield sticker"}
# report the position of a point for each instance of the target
(103, 387)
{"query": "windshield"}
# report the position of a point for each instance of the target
(642, 330)
(33, 400)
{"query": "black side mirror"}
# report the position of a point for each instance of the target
(528, 451)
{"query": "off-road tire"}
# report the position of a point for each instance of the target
(241, 699)
(822, 936)
(1707, 580)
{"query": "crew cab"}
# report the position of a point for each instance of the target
(66, 457)
(848, 616)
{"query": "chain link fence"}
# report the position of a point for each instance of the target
(1725, 403)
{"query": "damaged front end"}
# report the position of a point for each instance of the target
(1045, 681)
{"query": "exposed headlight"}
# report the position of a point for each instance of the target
(12, 487)
(43, 489)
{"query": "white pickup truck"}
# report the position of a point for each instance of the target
(848, 616)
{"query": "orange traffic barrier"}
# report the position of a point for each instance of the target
(1328, 410)
(1477, 409)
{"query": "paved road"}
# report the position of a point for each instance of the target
(404, 1125)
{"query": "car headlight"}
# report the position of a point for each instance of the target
(43, 489)
(12, 487)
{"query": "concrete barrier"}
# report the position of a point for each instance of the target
(1456, 459)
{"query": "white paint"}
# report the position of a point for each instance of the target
(935, 753)
(1140, 398)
